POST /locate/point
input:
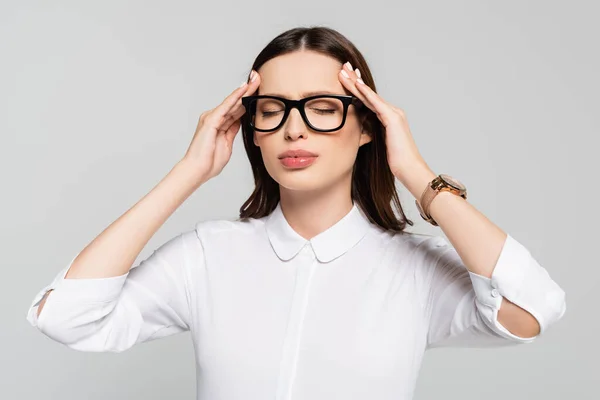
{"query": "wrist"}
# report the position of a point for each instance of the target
(191, 172)
(415, 178)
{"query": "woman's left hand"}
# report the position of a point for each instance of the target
(402, 153)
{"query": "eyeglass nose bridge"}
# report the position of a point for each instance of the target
(299, 105)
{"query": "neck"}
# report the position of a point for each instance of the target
(310, 213)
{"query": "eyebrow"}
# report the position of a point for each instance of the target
(305, 94)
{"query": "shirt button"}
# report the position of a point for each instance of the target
(495, 293)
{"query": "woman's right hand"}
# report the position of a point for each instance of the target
(211, 146)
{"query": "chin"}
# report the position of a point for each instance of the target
(302, 179)
(299, 181)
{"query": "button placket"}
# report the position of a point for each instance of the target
(306, 265)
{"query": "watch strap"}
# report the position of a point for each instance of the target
(426, 198)
(434, 187)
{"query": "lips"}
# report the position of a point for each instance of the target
(298, 158)
(296, 154)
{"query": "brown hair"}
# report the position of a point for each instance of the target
(373, 184)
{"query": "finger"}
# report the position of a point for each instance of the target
(348, 78)
(233, 100)
(231, 118)
(238, 109)
(218, 115)
(232, 132)
(384, 111)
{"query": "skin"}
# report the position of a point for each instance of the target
(315, 197)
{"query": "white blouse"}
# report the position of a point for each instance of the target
(346, 315)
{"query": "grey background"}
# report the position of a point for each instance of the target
(99, 100)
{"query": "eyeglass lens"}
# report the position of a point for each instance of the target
(322, 113)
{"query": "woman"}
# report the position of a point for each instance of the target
(317, 291)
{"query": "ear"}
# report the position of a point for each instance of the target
(365, 134)
(365, 137)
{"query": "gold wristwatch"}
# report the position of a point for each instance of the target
(440, 183)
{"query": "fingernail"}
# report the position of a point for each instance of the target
(360, 80)
(345, 73)
(358, 72)
(349, 65)
(252, 76)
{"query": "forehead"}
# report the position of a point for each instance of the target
(293, 74)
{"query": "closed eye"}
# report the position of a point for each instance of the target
(324, 111)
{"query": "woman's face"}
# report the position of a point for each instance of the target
(292, 76)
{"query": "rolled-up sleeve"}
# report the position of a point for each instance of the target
(463, 307)
(112, 314)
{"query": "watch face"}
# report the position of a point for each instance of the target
(455, 183)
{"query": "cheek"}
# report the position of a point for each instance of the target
(343, 151)
(337, 155)
(346, 147)
(343, 157)
(269, 152)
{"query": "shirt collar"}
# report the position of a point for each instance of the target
(328, 245)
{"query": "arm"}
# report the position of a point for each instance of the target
(479, 244)
(100, 302)
(112, 253)
(491, 257)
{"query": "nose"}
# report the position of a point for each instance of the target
(294, 127)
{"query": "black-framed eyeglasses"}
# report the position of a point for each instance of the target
(322, 113)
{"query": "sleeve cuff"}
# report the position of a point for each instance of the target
(489, 300)
(91, 290)
(519, 278)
